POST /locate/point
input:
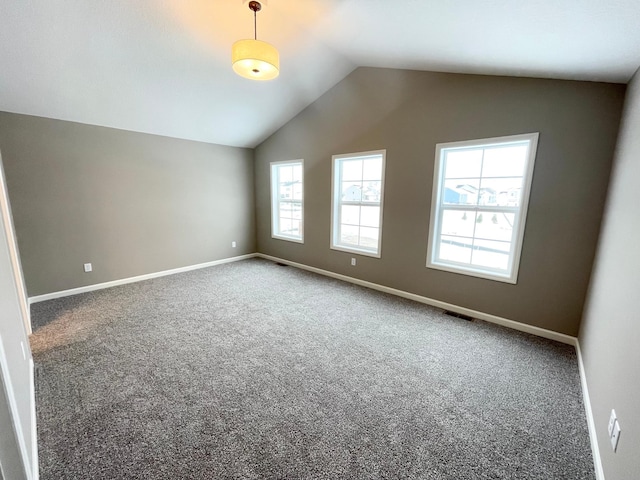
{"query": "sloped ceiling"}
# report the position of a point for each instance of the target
(163, 66)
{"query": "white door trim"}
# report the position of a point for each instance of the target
(5, 208)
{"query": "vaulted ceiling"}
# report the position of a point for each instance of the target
(163, 66)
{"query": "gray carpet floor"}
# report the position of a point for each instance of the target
(252, 370)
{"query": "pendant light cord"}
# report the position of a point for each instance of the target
(255, 26)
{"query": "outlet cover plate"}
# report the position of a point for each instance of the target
(87, 267)
(612, 420)
(615, 435)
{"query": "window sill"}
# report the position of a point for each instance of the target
(471, 272)
(288, 239)
(357, 251)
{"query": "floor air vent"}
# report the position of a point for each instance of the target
(458, 315)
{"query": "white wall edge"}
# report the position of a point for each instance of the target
(523, 327)
(13, 407)
(139, 278)
(595, 450)
(35, 469)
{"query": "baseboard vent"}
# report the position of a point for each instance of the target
(458, 315)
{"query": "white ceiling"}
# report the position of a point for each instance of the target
(163, 66)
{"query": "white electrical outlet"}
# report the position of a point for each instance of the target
(612, 420)
(615, 435)
(87, 267)
(353, 262)
(233, 244)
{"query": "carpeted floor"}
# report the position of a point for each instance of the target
(252, 370)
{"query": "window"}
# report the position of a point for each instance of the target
(479, 207)
(287, 205)
(356, 215)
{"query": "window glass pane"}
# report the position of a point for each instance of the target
(296, 210)
(287, 193)
(351, 170)
(480, 190)
(463, 191)
(287, 190)
(501, 191)
(285, 226)
(455, 249)
(350, 215)
(463, 163)
(372, 192)
(290, 210)
(286, 174)
(369, 217)
(507, 161)
(296, 190)
(285, 210)
(349, 234)
(369, 237)
(491, 254)
(351, 192)
(296, 228)
(495, 226)
(372, 169)
(459, 223)
(357, 202)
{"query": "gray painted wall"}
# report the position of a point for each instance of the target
(407, 113)
(610, 332)
(15, 367)
(129, 203)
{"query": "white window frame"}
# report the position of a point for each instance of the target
(275, 201)
(337, 202)
(435, 223)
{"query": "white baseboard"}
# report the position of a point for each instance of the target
(595, 450)
(541, 332)
(523, 327)
(139, 278)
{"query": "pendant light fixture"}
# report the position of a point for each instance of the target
(252, 58)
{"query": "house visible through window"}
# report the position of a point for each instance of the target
(480, 196)
(358, 186)
(287, 200)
